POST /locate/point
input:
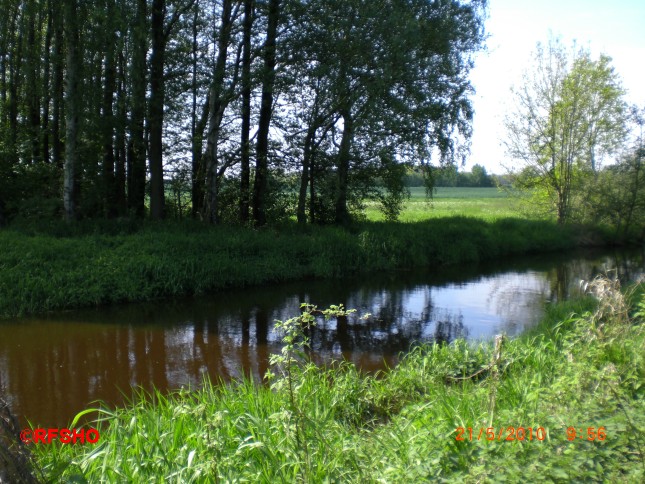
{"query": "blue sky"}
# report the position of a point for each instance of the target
(616, 28)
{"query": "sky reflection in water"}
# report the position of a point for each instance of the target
(53, 367)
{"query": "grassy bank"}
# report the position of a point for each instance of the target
(315, 425)
(84, 265)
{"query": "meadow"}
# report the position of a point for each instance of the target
(53, 266)
(563, 403)
(483, 203)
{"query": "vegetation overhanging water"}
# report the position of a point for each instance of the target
(160, 261)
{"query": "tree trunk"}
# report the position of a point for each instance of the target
(198, 128)
(160, 30)
(304, 178)
(245, 171)
(14, 79)
(109, 182)
(312, 190)
(196, 194)
(120, 142)
(344, 155)
(5, 35)
(216, 113)
(72, 106)
(57, 87)
(260, 186)
(9, 56)
(198, 162)
(32, 92)
(136, 163)
(46, 81)
(155, 114)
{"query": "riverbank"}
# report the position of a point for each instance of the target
(563, 403)
(75, 266)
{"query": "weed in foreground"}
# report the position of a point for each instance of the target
(292, 362)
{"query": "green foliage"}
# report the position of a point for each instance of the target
(393, 198)
(569, 116)
(359, 102)
(377, 76)
(293, 363)
(112, 262)
(615, 196)
(294, 331)
(479, 177)
(449, 176)
(335, 424)
(29, 191)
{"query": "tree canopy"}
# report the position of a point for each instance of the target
(569, 115)
(118, 107)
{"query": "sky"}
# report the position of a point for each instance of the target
(615, 28)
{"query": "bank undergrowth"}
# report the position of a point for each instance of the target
(80, 265)
(583, 371)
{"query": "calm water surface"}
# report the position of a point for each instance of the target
(54, 366)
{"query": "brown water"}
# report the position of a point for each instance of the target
(55, 366)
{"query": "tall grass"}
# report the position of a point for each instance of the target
(74, 266)
(585, 371)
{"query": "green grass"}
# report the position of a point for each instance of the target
(484, 203)
(335, 425)
(81, 265)
(60, 266)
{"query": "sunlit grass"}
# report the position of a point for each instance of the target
(483, 203)
(340, 426)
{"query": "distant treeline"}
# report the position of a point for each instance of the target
(450, 176)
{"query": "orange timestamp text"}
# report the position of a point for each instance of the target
(509, 433)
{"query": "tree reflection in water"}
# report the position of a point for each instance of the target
(53, 367)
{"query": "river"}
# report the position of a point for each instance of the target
(53, 366)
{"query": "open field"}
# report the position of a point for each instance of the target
(540, 408)
(484, 203)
